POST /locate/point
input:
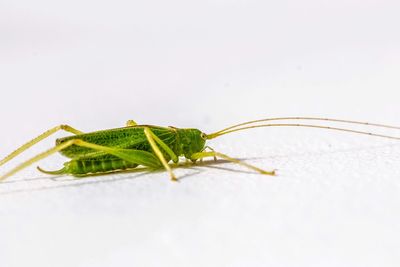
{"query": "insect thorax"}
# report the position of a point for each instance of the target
(190, 141)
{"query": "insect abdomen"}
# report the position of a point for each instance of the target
(85, 167)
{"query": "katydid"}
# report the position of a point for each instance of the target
(121, 149)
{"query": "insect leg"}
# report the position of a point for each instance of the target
(135, 156)
(201, 155)
(152, 138)
(37, 140)
(131, 123)
(37, 158)
(211, 149)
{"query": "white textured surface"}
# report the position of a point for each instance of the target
(94, 65)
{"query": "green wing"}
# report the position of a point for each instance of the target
(127, 138)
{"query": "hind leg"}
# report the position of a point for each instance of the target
(135, 156)
(130, 123)
(36, 140)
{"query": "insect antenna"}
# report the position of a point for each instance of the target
(247, 125)
(312, 119)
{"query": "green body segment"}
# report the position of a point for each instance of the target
(84, 167)
(86, 161)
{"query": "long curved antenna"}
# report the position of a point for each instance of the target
(312, 119)
(217, 134)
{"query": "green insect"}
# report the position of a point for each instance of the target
(121, 149)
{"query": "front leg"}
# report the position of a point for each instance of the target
(201, 155)
(211, 149)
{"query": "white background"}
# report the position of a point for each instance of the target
(204, 64)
